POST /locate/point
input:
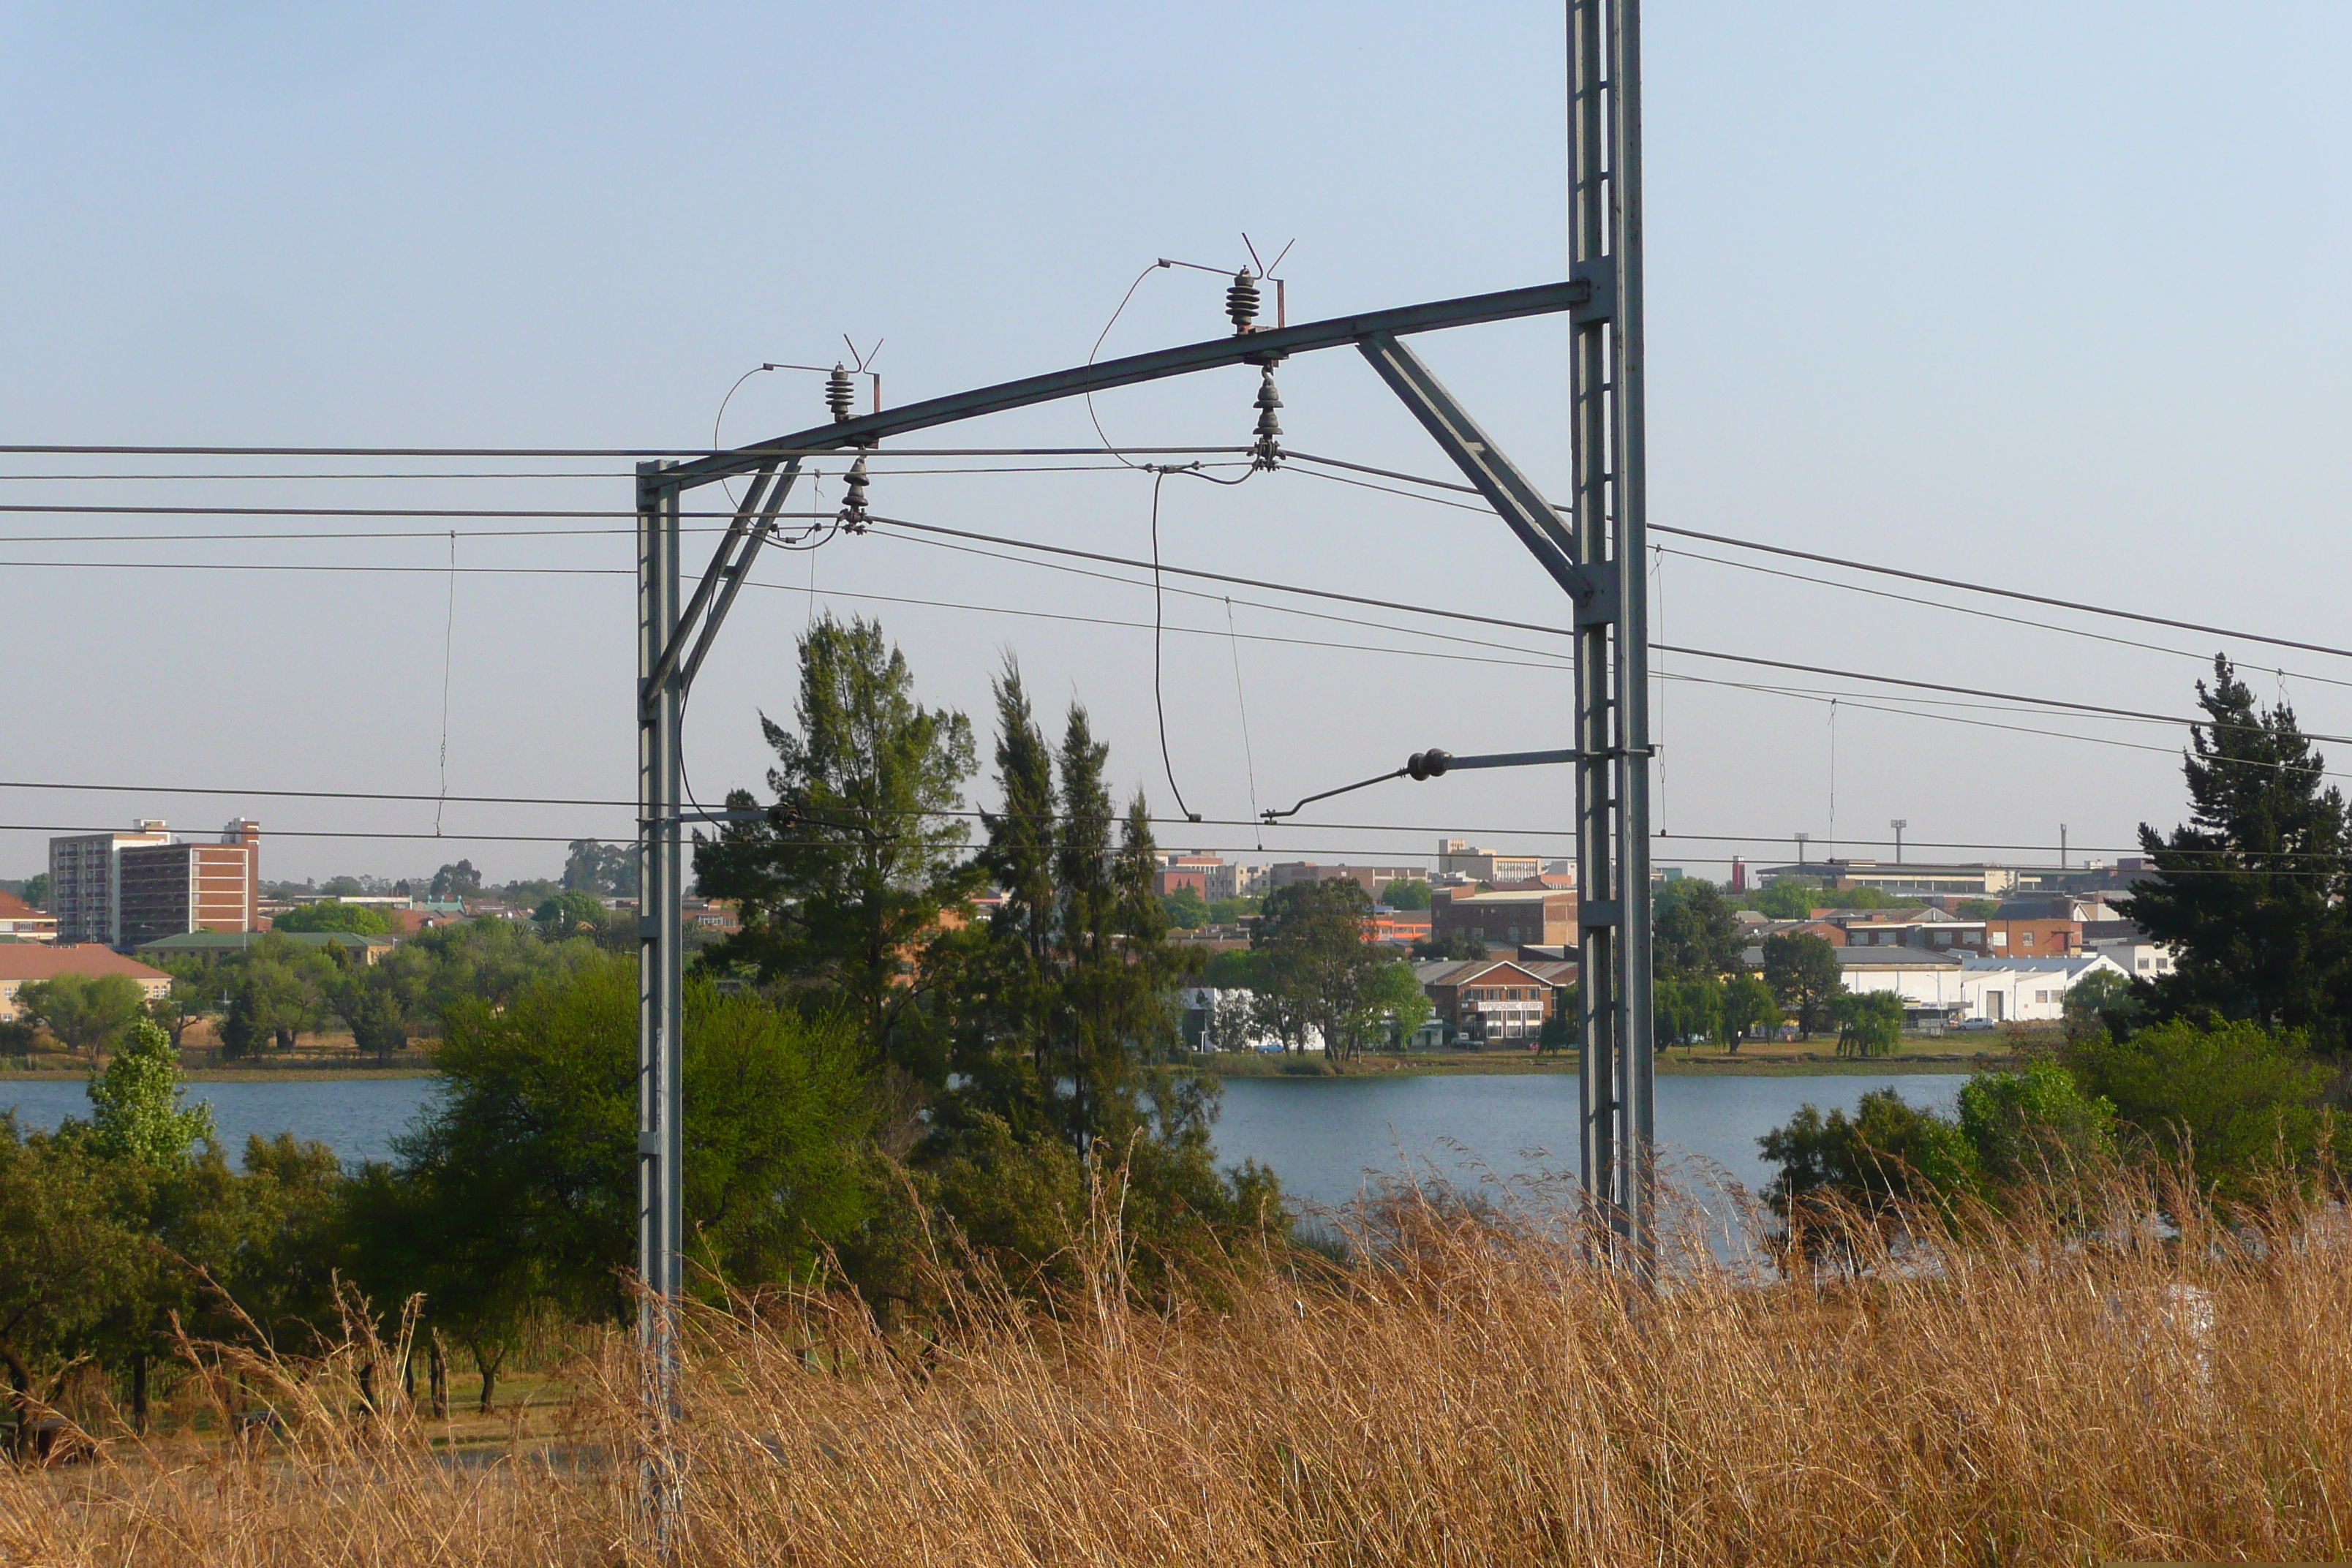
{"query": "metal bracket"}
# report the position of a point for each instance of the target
(1509, 491)
(650, 1146)
(1600, 913)
(1599, 277)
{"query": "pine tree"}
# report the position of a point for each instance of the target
(2250, 893)
(845, 881)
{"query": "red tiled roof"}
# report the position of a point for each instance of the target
(29, 960)
(13, 908)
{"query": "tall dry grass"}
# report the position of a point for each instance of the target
(1478, 1394)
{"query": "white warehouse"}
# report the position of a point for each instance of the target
(1998, 990)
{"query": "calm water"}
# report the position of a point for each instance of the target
(1322, 1136)
(357, 1118)
(1325, 1137)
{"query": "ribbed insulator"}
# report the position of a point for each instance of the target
(840, 393)
(1240, 301)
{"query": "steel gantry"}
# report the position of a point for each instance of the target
(1596, 558)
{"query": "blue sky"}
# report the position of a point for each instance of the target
(2044, 295)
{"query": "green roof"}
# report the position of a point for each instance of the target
(213, 942)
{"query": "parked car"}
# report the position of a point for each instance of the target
(1977, 1026)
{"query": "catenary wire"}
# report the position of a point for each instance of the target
(976, 814)
(1962, 585)
(2064, 704)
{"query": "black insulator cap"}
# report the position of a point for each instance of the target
(840, 395)
(1428, 765)
(1240, 301)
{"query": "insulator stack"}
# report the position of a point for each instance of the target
(1240, 301)
(853, 505)
(840, 393)
(1268, 426)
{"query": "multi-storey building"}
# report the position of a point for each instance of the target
(1535, 918)
(85, 882)
(1460, 857)
(132, 887)
(1373, 880)
(168, 889)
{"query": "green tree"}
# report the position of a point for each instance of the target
(280, 991)
(521, 1176)
(136, 1112)
(1977, 909)
(2026, 1127)
(843, 881)
(67, 1262)
(1319, 970)
(1747, 1006)
(1889, 1151)
(1788, 898)
(1870, 1023)
(334, 914)
(2250, 893)
(609, 869)
(2103, 1001)
(1393, 996)
(1406, 893)
(571, 913)
(1185, 909)
(1062, 1011)
(2235, 1098)
(457, 882)
(1229, 912)
(36, 889)
(1458, 946)
(1689, 1010)
(1805, 976)
(1694, 936)
(194, 994)
(85, 1012)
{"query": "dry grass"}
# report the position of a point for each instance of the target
(1481, 1396)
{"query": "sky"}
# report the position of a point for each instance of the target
(2046, 296)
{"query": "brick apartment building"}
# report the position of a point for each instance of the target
(1487, 1000)
(133, 887)
(1532, 918)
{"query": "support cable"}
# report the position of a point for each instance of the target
(448, 646)
(1232, 643)
(1159, 702)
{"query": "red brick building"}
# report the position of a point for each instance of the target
(1531, 918)
(168, 889)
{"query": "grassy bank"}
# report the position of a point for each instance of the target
(1483, 1396)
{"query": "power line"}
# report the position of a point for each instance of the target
(646, 452)
(2064, 704)
(973, 814)
(1932, 580)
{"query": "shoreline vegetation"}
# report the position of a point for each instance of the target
(1816, 1058)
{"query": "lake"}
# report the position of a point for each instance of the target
(1320, 1135)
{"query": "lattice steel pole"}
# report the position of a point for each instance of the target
(1616, 1089)
(660, 971)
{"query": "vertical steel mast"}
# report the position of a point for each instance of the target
(660, 978)
(1616, 1083)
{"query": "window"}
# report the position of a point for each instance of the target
(2143, 964)
(2026, 939)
